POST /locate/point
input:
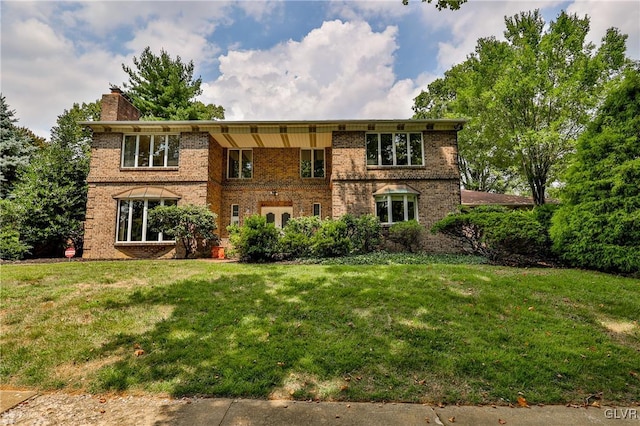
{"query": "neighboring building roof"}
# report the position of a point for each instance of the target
(478, 198)
(275, 134)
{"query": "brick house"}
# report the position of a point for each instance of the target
(396, 169)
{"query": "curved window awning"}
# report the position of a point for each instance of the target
(146, 192)
(392, 189)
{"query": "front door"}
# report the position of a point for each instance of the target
(279, 216)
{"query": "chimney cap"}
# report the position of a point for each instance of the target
(115, 89)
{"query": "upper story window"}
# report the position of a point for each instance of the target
(312, 163)
(394, 149)
(150, 151)
(240, 164)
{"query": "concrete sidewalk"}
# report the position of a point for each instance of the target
(226, 412)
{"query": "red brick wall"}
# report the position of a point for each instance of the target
(190, 180)
(437, 181)
(115, 107)
(275, 169)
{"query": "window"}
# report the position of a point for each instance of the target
(396, 208)
(150, 151)
(312, 163)
(235, 214)
(240, 164)
(394, 149)
(132, 220)
(317, 211)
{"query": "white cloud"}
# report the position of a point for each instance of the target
(624, 15)
(175, 39)
(358, 10)
(340, 70)
(474, 20)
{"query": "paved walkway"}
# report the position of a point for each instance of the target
(220, 411)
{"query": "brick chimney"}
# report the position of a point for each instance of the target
(117, 107)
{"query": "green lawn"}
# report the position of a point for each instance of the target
(438, 332)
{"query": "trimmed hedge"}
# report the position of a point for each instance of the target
(513, 237)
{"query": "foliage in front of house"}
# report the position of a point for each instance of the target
(407, 234)
(304, 237)
(503, 236)
(193, 226)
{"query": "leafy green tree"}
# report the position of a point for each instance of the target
(11, 246)
(51, 201)
(15, 148)
(192, 225)
(598, 225)
(527, 99)
(51, 193)
(163, 88)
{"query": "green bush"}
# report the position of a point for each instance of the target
(296, 237)
(507, 237)
(331, 239)
(407, 234)
(11, 248)
(192, 225)
(364, 232)
(256, 240)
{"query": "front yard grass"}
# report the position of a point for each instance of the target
(438, 332)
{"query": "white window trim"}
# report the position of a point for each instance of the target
(388, 198)
(313, 156)
(393, 139)
(160, 239)
(240, 159)
(152, 143)
(235, 220)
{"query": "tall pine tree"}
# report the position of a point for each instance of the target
(598, 225)
(15, 148)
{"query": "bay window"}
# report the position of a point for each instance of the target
(394, 149)
(132, 220)
(393, 208)
(150, 151)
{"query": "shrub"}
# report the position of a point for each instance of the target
(407, 234)
(11, 248)
(296, 237)
(256, 240)
(331, 239)
(191, 225)
(364, 232)
(508, 237)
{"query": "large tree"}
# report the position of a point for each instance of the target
(16, 148)
(51, 193)
(163, 88)
(527, 99)
(598, 225)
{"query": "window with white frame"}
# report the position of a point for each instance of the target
(240, 164)
(132, 220)
(312, 163)
(150, 151)
(317, 210)
(235, 214)
(394, 149)
(393, 208)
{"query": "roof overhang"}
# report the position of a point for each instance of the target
(274, 134)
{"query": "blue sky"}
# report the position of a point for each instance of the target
(262, 60)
